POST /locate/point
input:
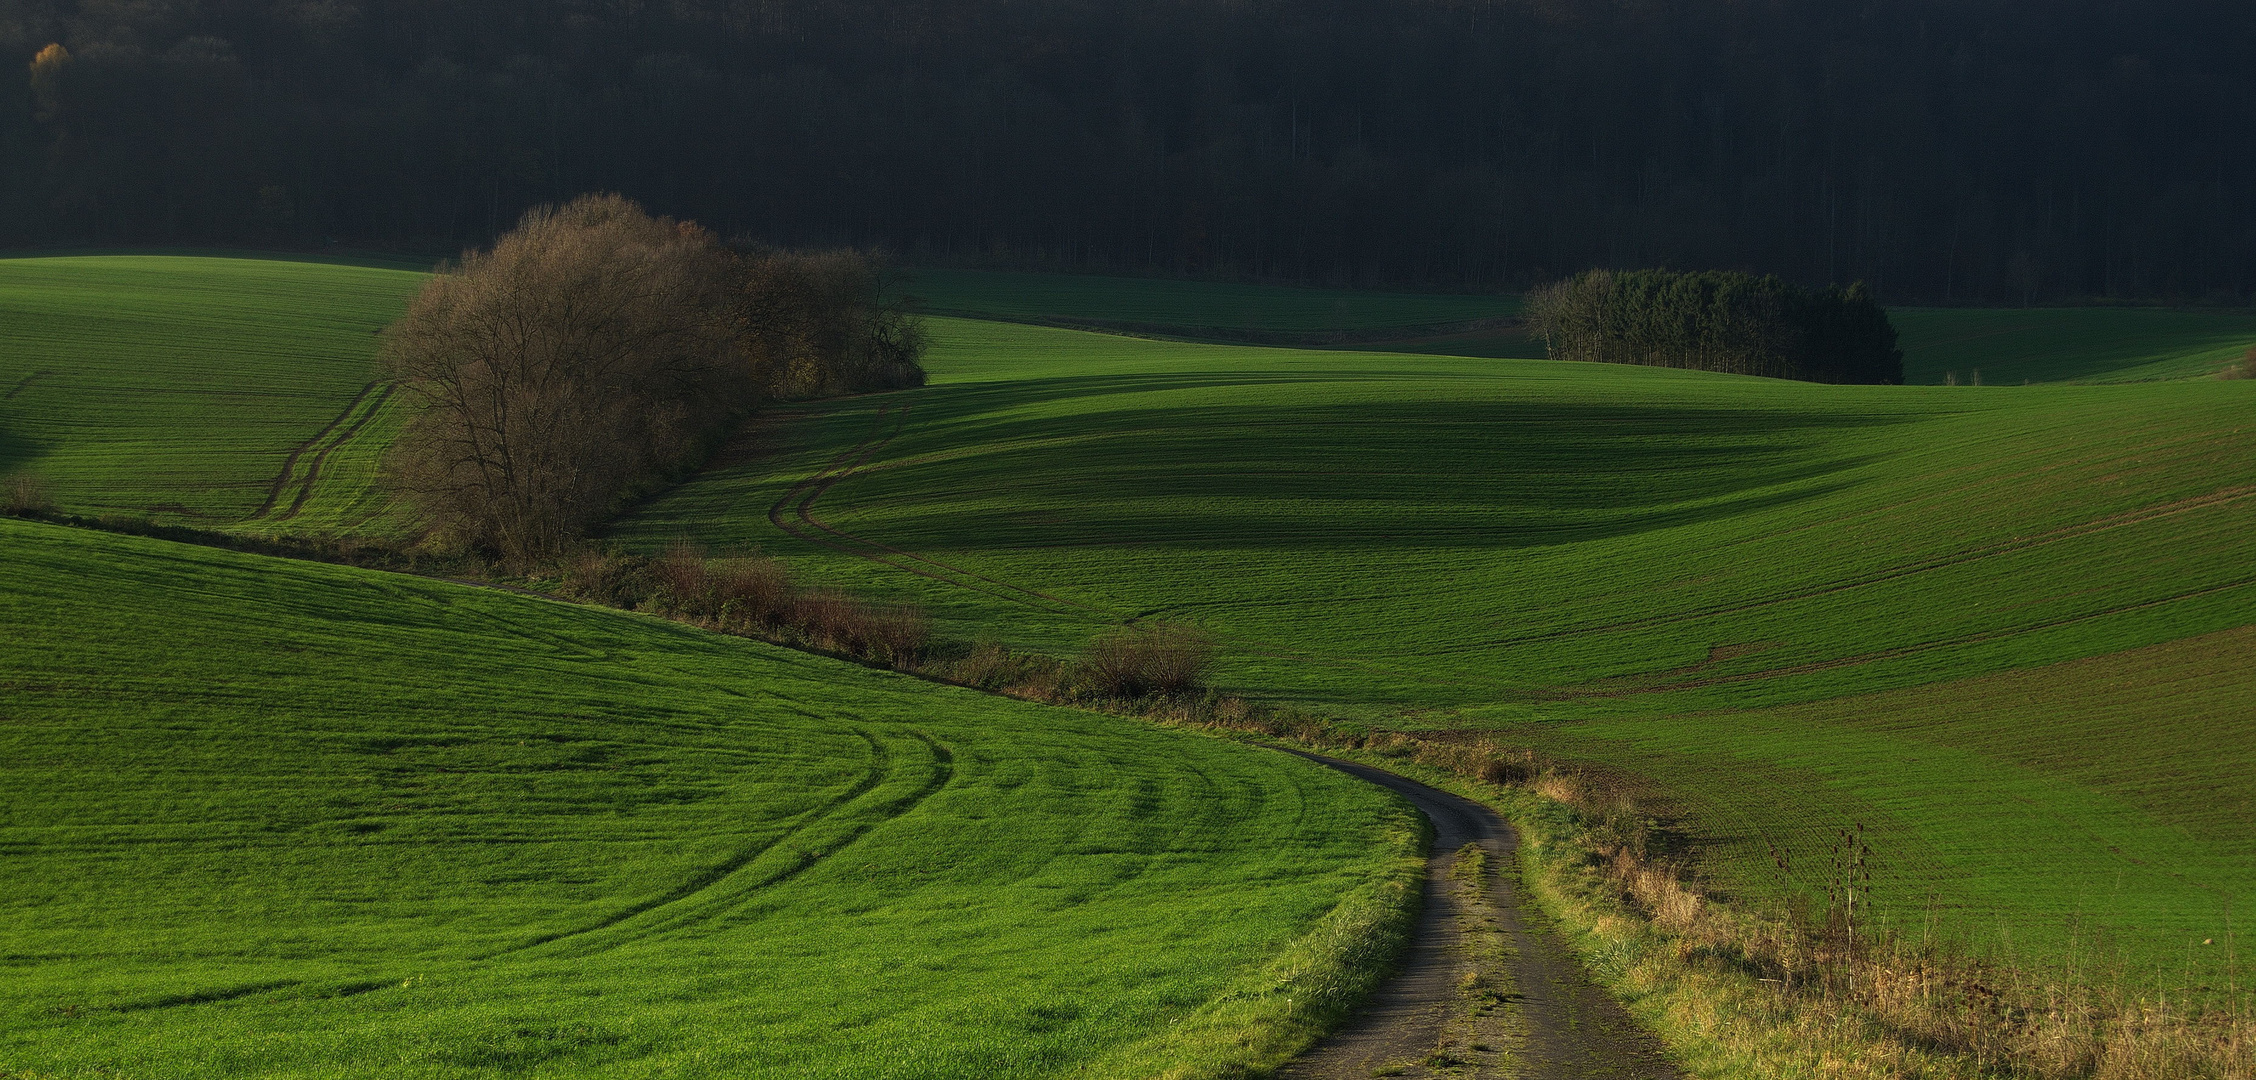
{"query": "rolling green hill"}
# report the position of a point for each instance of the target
(1192, 306)
(1766, 597)
(222, 393)
(270, 818)
(2009, 347)
(1995, 625)
(1998, 346)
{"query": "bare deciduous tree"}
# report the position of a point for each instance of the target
(591, 350)
(819, 323)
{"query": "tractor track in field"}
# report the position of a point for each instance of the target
(799, 503)
(24, 384)
(321, 443)
(710, 892)
(1551, 1022)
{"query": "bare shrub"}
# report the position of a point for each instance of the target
(685, 585)
(26, 496)
(588, 352)
(898, 635)
(751, 592)
(1167, 659)
(610, 578)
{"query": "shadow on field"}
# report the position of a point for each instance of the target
(16, 452)
(1446, 470)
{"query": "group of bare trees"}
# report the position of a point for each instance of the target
(596, 351)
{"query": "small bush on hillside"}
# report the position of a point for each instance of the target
(1167, 659)
(991, 665)
(26, 496)
(610, 578)
(1717, 321)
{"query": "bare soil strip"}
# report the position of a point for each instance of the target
(1487, 989)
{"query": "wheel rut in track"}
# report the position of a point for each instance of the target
(1546, 1021)
(356, 414)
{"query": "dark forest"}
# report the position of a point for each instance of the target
(1949, 151)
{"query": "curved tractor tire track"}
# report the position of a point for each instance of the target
(320, 445)
(24, 384)
(794, 514)
(892, 787)
(1569, 1028)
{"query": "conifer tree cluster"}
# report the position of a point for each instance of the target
(1718, 321)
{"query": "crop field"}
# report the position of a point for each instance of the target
(261, 817)
(223, 393)
(2009, 347)
(1997, 626)
(1695, 578)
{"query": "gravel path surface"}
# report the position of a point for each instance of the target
(1487, 988)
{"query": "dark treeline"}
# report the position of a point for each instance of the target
(1718, 321)
(1941, 150)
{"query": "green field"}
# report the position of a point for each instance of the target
(1192, 306)
(2004, 628)
(2009, 347)
(221, 393)
(261, 817)
(1702, 580)
(2001, 347)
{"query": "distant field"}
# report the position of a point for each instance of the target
(266, 818)
(2008, 347)
(2005, 346)
(1192, 305)
(1701, 579)
(203, 390)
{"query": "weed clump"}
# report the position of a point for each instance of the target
(1167, 660)
(26, 496)
(749, 595)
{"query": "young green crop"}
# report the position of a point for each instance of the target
(2009, 347)
(1192, 305)
(269, 818)
(216, 392)
(1702, 579)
